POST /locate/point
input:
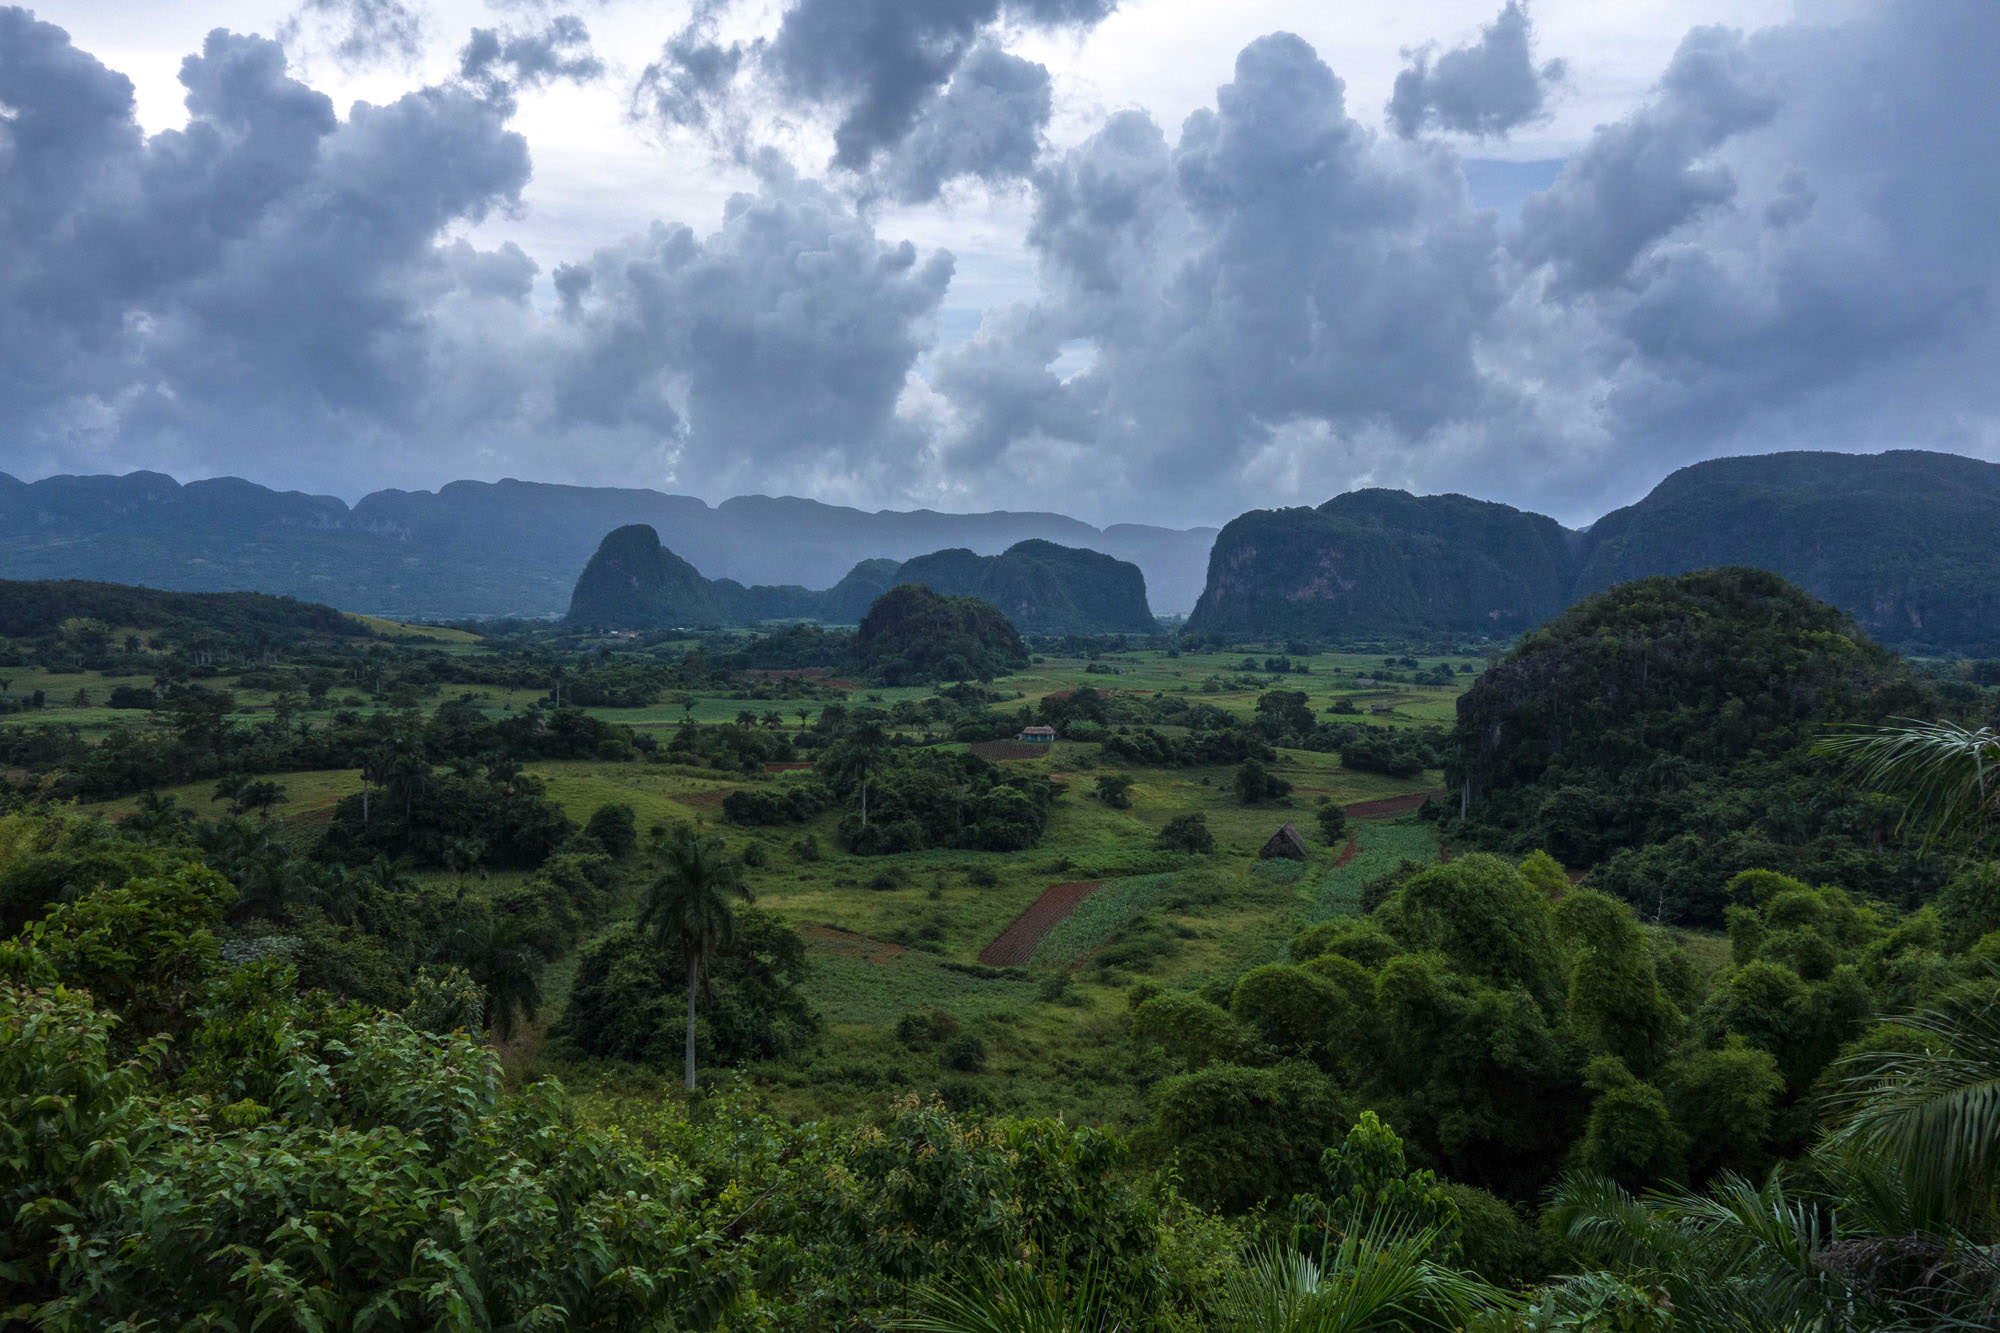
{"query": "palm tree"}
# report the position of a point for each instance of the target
(1947, 776)
(505, 969)
(1376, 1276)
(1019, 1298)
(687, 910)
(1927, 1106)
(856, 759)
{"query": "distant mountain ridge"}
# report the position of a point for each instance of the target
(1907, 542)
(635, 581)
(493, 548)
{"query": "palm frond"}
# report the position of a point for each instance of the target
(1376, 1277)
(1018, 1298)
(1930, 1106)
(1946, 775)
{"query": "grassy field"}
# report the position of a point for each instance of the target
(894, 935)
(404, 630)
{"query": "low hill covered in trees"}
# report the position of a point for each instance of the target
(1385, 562)
(1901, 541)
(1662, 732)
(42, 608)
(912, 635)
(1042, 587)
(635, 582)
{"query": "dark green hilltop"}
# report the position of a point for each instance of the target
(1377, 561)
(635, 582)
(1904, 542)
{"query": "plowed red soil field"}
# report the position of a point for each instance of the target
(1014, 946)
(1389, 805)
(846, 942)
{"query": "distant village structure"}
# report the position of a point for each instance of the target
(1038, 736)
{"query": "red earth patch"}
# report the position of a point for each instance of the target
(1015, 945)
(1389, 805)
(1347, 853)
(850, 945)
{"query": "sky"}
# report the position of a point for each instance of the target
(1148, 261)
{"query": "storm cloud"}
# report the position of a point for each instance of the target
(1485, 89)
(276, 280)
(511, 60)
(1786, 242)
(919, 92)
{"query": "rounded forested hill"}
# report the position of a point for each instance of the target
(633, 582)
(912, 635)
(1380, 562)
(1678, 712)
(35, 607)
(1905, 540)
(1044, 588)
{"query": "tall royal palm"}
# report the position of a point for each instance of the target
(688, 912)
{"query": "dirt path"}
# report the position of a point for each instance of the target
(1347, 853)
(1389, 805)
(848, 944)
(1015, 945)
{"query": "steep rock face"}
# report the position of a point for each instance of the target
(1043, 588)
(633, 582)
(1906, 542)
(1385, 562)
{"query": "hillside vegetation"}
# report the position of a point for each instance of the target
(1901, 541)
(1663, 731)
(578, 980)
(1384, 562)
(635, 582)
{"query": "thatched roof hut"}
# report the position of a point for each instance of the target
(1285, 842)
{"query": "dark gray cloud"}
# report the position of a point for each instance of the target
(274, 287)
(1651, 173)
(1278, 273)
(1813, 260)
(1485, 89)
(1788, 244)
(987, 125)
(692, 84)
(502, 62)
(919, 91)
(357, 32)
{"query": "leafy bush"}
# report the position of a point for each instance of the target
(1186, 833)
(963, 1054)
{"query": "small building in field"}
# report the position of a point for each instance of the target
(1285, 842)
(1381, 708)
(1366, 681)
(1038, 736)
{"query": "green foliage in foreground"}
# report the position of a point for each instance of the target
(186, 1141)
